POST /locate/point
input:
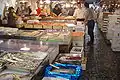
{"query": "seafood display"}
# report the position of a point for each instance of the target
(56, 35)
(31, 61)
(25, 61)
(31, 33)
(70, 57)
(64, 70)
(13, 75)
(8, 31)
(68, 71)
(2, 64)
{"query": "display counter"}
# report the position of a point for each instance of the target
(27, 56)
(56, 35)
(59, 36)
(59, 18)
(45, 23)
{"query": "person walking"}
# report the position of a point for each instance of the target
(89, 21)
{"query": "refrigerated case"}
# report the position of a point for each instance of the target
(27, 58)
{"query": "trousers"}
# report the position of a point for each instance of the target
(91, 24)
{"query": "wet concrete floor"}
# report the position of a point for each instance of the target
(102, 64)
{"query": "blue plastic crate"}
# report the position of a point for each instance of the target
(75, 76)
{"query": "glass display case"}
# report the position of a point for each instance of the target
(25, 56)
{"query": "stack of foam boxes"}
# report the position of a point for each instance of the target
(115, 44)
(80, 50)
(111, 25)
(105, 25)
(78, 42)
(78, 35)
(80, 26)
(78, 39)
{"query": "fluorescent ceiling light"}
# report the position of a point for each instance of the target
(47, 1)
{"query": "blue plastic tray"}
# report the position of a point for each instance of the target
(75, 76)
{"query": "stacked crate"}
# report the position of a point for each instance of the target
(111, 25)
(105, 22)
(115, 43)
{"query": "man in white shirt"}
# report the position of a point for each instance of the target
(79, 12)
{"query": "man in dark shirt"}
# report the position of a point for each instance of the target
(57, 10)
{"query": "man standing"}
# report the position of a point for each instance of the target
(79, 12)
(89, 21)
(57, 10)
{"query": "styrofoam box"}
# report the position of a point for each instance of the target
(78, 38)
(77, 29)
(115, 44)
(78, 43)
(110, 34)
(79, 23)
(75, 50)
(32, 21)
(116, 48)
(52, 78)
(71, 27)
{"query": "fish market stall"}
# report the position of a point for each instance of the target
(24, 56)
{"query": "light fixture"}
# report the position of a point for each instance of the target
(47, 1)
(67, 5)
(23, 1)
(73, 2)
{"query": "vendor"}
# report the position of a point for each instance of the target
(19, 11)
(64, 12)
(11, 17)
(38, 11)
(79, 12)
(56, 10)
(29, 10)
(38, 8)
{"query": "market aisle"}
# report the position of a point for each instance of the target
(102, 63)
